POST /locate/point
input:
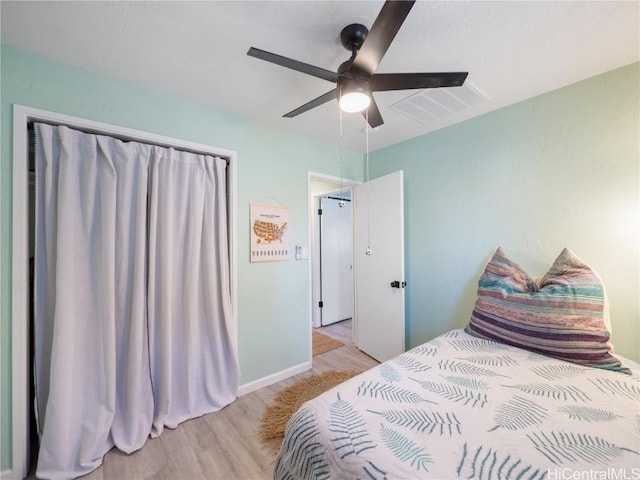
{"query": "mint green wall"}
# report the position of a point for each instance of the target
(272, 167)
(559, 170)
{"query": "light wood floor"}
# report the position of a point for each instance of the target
(223, 445)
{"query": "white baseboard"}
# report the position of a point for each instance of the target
(273, 378)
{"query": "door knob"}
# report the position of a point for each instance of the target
(397, 284)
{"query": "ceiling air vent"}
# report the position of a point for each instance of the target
(437, 103)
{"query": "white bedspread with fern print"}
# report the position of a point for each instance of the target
(463, 407)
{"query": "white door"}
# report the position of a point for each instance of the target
(379, 264)
(336, 254)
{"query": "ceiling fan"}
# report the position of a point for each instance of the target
(356, 78)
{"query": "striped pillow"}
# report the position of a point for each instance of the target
(562, 315)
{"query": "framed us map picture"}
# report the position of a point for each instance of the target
(269, 239)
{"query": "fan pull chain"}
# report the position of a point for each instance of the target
(366, 130)
(341, 159)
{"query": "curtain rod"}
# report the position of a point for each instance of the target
(122, 138)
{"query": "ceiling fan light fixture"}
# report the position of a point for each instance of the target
(354, 97)
(354, 102)
(356, 77)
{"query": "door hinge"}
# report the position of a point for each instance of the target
(320, 304)
(319, 211)
(397, 284)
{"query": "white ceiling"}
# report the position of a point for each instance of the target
(512, 50)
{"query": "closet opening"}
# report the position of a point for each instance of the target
(24, 422)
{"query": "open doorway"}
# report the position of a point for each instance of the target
(331, 254)
(378, 325)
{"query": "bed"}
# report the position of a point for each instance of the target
(465, 405)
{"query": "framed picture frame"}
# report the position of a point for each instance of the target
(269, 238)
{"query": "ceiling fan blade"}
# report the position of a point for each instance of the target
(327, 97)
(375, 117)
(381, 82)
(293, 64)
(381, 34)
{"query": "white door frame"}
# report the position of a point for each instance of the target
(20, 255)
(347, 185)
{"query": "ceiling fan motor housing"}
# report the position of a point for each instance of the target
(351, 79)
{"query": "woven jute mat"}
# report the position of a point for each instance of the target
(286, 402)
(323, 343)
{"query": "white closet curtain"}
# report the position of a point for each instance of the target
(132, 297)
(189, 291)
